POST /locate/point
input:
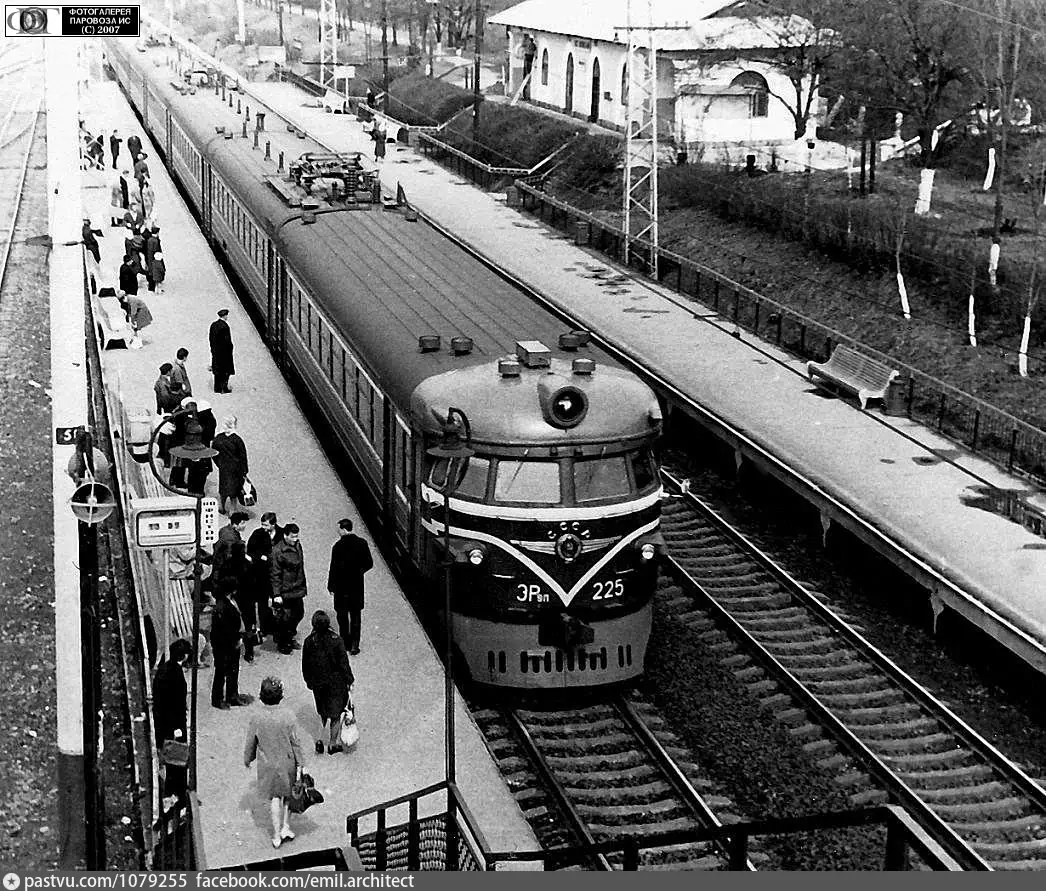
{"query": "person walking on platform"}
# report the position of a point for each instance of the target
(149, 251)
(166, 403)
(222, 366)
(379, 143)
(141, 169)
(326, 670)
(134, 245)
(138, 315)
(232, 464)
(226, 641)
(114, 146)
(169, 714)
(129, 275)
(272, 740)
(157, 272)
(134, 147)
(94, 255)
(350, 559)
(180, 385)
(259, 557)
(117, 201)
(287, 571)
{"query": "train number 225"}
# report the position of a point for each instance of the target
(610, 588)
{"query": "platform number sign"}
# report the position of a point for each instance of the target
(66, 435)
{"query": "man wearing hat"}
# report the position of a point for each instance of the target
(221, 352)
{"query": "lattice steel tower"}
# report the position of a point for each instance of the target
(641, 152)
(328, 41)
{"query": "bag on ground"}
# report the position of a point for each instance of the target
(249, 496)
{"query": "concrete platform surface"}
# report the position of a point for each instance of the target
(399, 680)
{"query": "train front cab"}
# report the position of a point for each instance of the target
(554, 563)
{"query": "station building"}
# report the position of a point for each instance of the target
(720, 66)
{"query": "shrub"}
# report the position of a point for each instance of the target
(417, 99)
(510, 137)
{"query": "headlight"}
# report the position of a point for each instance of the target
(476, 556)
(647, 552)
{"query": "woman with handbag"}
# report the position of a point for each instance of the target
(325, 667)
(272, 739)
(232, 463)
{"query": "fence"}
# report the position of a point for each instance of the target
(480, 173)
(995, 434)
(177, 837)
(450, 839)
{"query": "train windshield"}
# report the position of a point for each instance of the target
(599, 478)
(530, 482)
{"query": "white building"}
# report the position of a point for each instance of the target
(717, 78)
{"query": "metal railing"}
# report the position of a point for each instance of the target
(1006, 440)
(177, 836)
(443, 841)
(485, 175)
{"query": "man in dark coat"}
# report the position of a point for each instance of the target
(287, 573)
(114, 147)
(226, 626)
(327, 672)
(221, 352)
(129, 275)
(134, 147)
(350, 559)
(230, 562)
(259, 556)
(169, 717)
(166, 403)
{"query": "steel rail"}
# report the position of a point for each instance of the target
(1025, 783)
(578, 824)
(675, 776)
(9, 240)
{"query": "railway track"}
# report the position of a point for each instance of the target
(19, 113)
(604, 773)
(885, 735)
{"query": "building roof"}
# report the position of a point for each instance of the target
(701, 28)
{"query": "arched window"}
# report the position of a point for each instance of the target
(624, 84)
(758, 92)
(544, 68)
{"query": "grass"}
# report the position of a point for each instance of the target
(510, 136)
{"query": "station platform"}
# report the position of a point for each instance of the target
(399, 679)
(913, 495)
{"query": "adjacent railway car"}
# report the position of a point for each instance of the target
(403, 339)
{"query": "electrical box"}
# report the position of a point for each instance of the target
(169, 521)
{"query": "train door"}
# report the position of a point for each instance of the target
(168, 138)
(388, 469)
(206, 209)
(419, 550)
(275, 331)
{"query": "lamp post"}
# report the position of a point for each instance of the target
(385, 55)
(191, 450)
(91, 503)
(453, 448)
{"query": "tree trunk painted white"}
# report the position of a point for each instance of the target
(1022, 359)
(903, 291)
(993, 262)
(922, 203)
(849, 170)
(989, 177)
(971, 323)
(241, 25)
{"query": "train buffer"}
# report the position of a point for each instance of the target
(856, 372)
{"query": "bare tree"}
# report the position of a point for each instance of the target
(912, 56)
(803, 40)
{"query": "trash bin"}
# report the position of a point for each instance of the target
(894, 403)
(259, 120)
(582, 232)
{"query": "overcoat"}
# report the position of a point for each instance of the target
(180, 385)
(221, 347)
(129, 277)
(169, 694)
(232, 464)
(350, 559)
(287, 571)
(137, 312)
(272, 739)
(134, 146)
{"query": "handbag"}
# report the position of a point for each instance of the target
(249, 496)
(304, 794)
(349, 734)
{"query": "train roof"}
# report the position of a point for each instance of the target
(382, 279)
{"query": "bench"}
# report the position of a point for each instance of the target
(853, 371)
(111, 322)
